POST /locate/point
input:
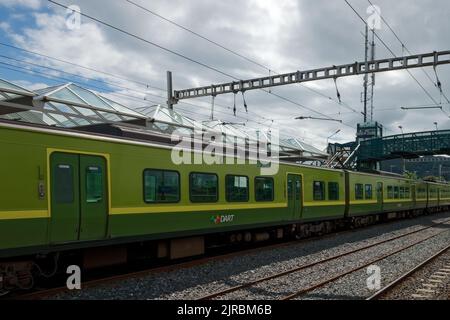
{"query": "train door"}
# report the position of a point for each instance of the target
(294, 188)
(79, 209)
(380, 195)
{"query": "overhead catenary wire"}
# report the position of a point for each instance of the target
(115, 94)
(404, 48)
(269, 69)
(72, 74)
(197, 34)
(189, 111)
(102, 72)
(57, 79)
(101, 81)
(81, 66)
(179, 54)
(392, 52)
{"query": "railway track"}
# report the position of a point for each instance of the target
(46, 293)
(405, 276)
(323, 261)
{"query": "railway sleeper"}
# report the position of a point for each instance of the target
(21, 274)
(16, 274)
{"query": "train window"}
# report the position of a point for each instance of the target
(446, 193)
(402, 192)
(64, 184)
(359, 191)
(368, 191)
(396, 192)
(390, 192)
(204, 187)
(161, 186)
(236, 188)
(422, 193)
(319, 190)
(433, 193)
(264, 190)
(94, 184)
(407, 193)
(333, 191)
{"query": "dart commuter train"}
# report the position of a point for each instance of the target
(102, 199)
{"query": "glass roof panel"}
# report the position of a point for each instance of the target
(299, 145)
(47, 89)
(66, 95)
(90, 97)
(87, 112)
(110, 116)
(49, 120)
(63, 108)
(25, 116)
(163, 116)
(48, 106)
(9, 96)
(61, 119)
(80, 121)
(6, 85)
(120, 108)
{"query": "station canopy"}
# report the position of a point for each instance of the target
(65, 106)
(297, 144)
(72, 106)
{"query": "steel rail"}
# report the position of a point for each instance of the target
(183, 265)
(312, 264)
(383, 257)
(172, 267)
(394, 284)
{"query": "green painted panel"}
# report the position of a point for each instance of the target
(215, 220)
(93, 197)
(16, 233)
(294, 186)
(65, 197)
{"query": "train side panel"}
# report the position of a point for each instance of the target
(23, 198)
(397, 194)
(364, 194)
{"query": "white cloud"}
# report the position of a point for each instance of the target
(5, 26)
(284, 35)
(33, 4)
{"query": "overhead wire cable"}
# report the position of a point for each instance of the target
(178, 54)
(227, 49)
(404, 48)
(392, 52)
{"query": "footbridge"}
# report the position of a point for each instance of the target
(409, 146)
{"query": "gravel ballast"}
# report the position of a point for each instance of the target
(200, 280)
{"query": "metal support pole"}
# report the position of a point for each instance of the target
(366, 75)
(372, 84)
(170, 100)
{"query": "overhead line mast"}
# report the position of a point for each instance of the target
(366, 76)
(372, 83)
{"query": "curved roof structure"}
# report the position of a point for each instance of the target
(72, 106)
(65, 105)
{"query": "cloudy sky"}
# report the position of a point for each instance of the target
(277, 35)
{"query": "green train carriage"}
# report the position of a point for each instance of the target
(70, 190)
(39, 199)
